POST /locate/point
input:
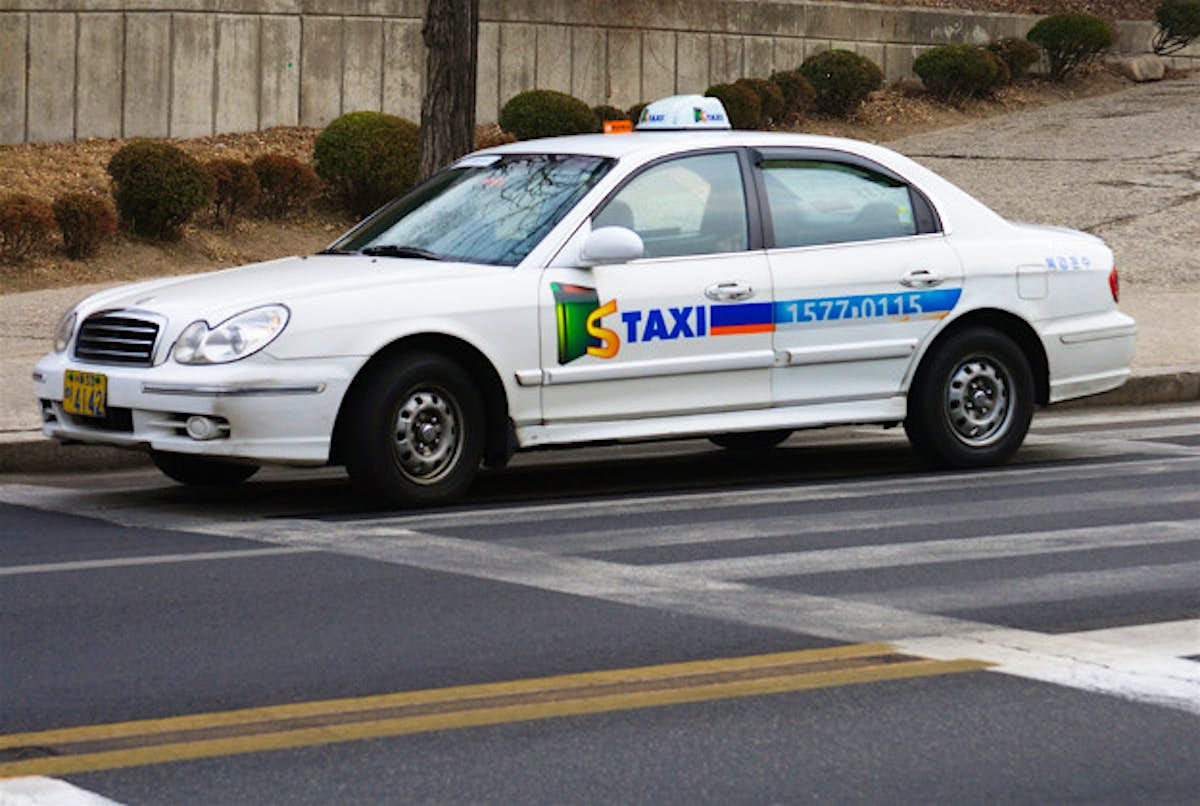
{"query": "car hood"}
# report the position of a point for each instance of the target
(218, 295)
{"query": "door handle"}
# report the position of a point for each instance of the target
(728, 292)
(921, 278)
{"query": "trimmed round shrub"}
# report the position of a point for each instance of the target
(26, 227)
(635, 112)
(284, 183)
(236, 188)
(741, 104)
(1004, 77)
(772, 104)
(368, 158)
(546, 113)
(1017, 54)
(85, 221)
(953, 72)
(842, 80)
(798, 93)
(605, 112)
(158, 188)
(1178, 26)
(1071, 41)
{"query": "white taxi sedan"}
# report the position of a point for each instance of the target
(683, 280)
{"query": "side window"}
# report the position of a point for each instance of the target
(815, 202)
(687, 206)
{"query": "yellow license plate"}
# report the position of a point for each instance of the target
(85, 393)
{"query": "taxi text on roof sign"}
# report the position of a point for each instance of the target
(684, 112)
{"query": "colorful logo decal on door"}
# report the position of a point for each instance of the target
(581, 331)
(577, 311)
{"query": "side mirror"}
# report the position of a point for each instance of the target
(611, 245)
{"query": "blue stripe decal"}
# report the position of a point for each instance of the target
(915, 304)
(750, 313)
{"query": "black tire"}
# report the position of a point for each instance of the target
(202, 471)
(415, 431)
(750, 440)
(971, 400)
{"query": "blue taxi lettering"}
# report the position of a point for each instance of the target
(688, 322)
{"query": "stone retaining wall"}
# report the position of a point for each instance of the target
(184, 68)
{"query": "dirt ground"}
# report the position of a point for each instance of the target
(45, 170)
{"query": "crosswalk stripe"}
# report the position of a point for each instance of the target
(1066, 586)
(990, 547)
(1086, 665)
(1111, 418)
(948, 483)
(719, 531)
(154, 559)
(1072, 661)
(40, 791)
(1179, 639)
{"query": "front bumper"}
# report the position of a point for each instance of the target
(268, 411)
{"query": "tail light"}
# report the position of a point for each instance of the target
(1114, 285)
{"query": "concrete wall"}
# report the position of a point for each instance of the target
(182, 68)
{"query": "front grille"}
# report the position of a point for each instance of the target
(114, 419)
(107, 338)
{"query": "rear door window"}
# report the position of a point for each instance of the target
(813, 202)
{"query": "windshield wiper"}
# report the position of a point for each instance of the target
(337, 252)
(395, 250)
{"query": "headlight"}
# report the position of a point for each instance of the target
(66, 329)
(235, 338)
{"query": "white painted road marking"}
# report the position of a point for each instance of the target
(154, 559)
(1078, 663)
(38, 791)
(1141, 663)
(1178, 639)
(1067, 660)
(717, 530)
(1068, 585)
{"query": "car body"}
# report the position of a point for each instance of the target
(681, 283)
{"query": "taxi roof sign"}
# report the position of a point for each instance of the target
(680, 112)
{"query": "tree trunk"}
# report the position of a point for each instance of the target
(451, 34)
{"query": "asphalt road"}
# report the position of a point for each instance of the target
(829, 621)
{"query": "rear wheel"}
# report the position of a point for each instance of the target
(971, 401)
(750, 440)
(415, 434)
(202, 471)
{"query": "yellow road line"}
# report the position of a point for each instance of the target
(370, 703)
(259, 729)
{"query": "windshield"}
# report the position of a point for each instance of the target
(488, 209)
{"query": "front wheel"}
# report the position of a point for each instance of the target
(202, 471)
(971, 401)
(415, 434)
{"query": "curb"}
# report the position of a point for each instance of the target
(30, 452)
(1175, 386)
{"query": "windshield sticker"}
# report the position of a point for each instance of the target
(581, 330)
